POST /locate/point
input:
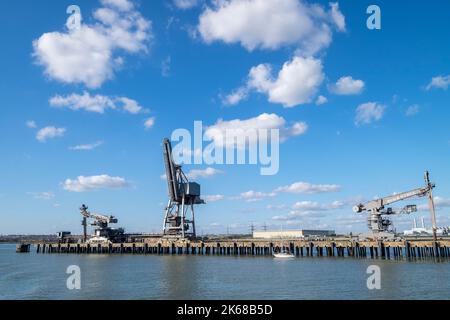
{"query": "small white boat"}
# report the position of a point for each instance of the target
(283, 255)
(99, 240)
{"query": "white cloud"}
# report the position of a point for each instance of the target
(165, 66)
(203, 173)
(321, 100)
(270, 24)
(42, 195)
(89, 54)
(310, 210)
(96, 103)
(130, 105)
(296, 83)
(308, 188)
(122, 5)
(235, 97)
(31, 124)
(149, 123)
(49, 133)
(412, 110)
(87, 147)
(83, 184)
(185, 4)
(369, 112)
(242, 128)
(439, 203)
(439, 82)
(337, 16)
(213, 198)
(316, 206)
(347, 86)
(253, 196)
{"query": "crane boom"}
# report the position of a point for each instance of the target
(380, 203)
(170, 171)
(376, 208)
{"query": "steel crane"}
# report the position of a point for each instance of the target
(378, 208)
(183, 195)
(102, 223)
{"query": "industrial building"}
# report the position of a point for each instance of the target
(293, 234)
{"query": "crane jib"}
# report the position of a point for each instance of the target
(170, 171)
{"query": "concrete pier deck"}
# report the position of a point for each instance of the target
(253, 247)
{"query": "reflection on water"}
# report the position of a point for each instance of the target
(32, 276)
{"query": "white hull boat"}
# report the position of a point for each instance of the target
(283, 255)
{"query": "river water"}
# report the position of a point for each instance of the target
(43, 276)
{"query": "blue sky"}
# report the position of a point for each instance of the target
(170, 63)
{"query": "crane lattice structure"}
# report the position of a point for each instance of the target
(179, 219)
(377, 222)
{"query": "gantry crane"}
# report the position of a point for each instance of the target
(377, 208)
(102, 223)
(183, 195)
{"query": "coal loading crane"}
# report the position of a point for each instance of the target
(179, 220)
(377, 209)
(101, 222)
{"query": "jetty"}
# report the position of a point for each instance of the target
(393, 249)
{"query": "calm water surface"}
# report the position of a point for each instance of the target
(32, 276)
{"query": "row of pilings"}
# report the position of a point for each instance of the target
(353, 249)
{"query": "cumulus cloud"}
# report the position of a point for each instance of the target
(439, 82)
(297, 188)
(213, 198)
(90, 54)
(84, 184)
(165, 66)
(347, 86)
(253, 196)
(122, 5)
(203, 173)
(96, 103)
(296, 83)
(42, 195)
(236, 96)
(317, 206)
(50, 133)
(185, 4)
(321, 100)
(310, 209)
(337, 16)
(412, 110)
(439, 203)
(149, 123)
(270, 24)
(369, 112)
(309, 188)
(245, 128)
(86, 147)
(130, 105)
(31, 124)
